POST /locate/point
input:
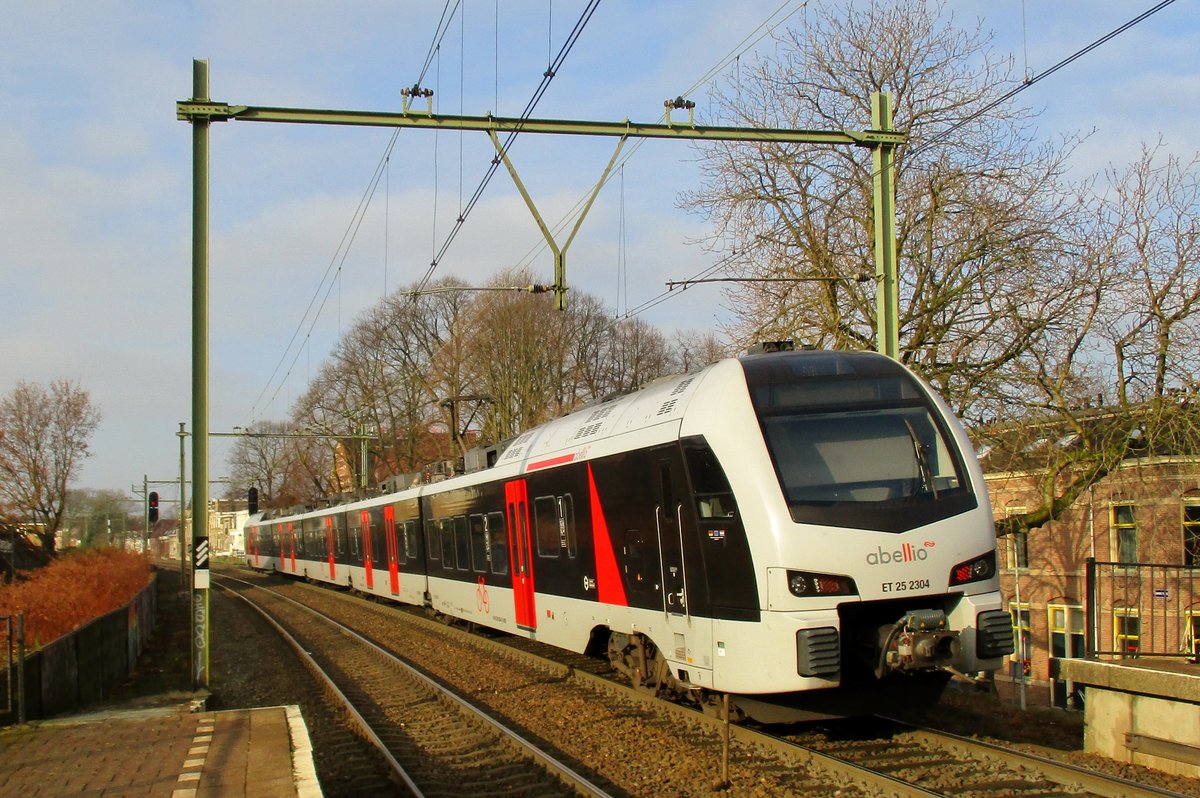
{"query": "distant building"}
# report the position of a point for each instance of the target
(226, 522)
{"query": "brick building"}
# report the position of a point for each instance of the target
(1140, 527)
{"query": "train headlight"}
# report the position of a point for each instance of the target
(807, 585)
(975, 570)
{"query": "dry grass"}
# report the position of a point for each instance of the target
(73, 590)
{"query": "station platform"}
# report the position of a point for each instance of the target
(1144, 710)
(171, 752)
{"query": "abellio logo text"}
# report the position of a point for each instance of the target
(906, 553)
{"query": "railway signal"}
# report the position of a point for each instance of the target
(153, 508)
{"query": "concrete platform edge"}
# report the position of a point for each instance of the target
(304, 770)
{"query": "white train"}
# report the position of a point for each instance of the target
(806, 531)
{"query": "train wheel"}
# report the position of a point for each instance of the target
(640, 661)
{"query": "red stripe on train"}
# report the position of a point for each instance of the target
(553, 461)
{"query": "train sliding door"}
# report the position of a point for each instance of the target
(368, 565)
(516, 500)
(690, 639)
(393, 555)
(668, 522)
(291, 546)
(329, 546)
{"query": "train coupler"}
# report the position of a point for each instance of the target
(918, 641)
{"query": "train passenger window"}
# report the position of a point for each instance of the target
(462, 543)
(339, 532)
(432, 545)
(354, 534)
(566, 513)
(446, 533)
(497, 543)
(479, 547)
(410, 540)
(378, 546)
(546, 526)
(309, 532)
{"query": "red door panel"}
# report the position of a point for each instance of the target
(517, 502)
(389, 527)
(366, 544)
(329, 544)
(291, 542)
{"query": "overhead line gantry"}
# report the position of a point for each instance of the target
(200, 111)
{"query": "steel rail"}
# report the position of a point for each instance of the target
(332, 688)
(839, 768)
(1060, 772)
(548, 762)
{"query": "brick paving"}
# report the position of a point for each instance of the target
(174, 753)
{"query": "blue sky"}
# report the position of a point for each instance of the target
(95, 172)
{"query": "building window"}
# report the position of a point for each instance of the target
(1127, 631)
(1067, 641)
(1066, 631)
(1191, 534)
(1022, 639)
(1124, 526)
(1020, 543)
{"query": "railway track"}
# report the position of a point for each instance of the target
(935, 763)
(436, 743)
(610, 729)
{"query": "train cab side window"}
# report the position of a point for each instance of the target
(497, 542)
(714, 497)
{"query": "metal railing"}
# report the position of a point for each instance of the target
(1142, 609)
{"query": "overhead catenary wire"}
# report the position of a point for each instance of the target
(763, 30)
(1029, 81)
(547, 77)
(439, 34)
(337, 260)
(1025, 84)
(773, 21)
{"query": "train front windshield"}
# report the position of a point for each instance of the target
(856, 443)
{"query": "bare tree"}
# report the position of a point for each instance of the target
(1026, 300)
(261, 459)
(984, 219)
(692, 350)
(1119, 380)
(44, 435)
(518, 351)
